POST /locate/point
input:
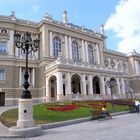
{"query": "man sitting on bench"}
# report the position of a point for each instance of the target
(105, 112)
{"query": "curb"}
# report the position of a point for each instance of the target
(60, 124)
(75, 121)
(64, 123)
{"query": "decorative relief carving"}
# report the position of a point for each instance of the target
(106, 62)
(112, 63)
(4, 34)
(124, 66)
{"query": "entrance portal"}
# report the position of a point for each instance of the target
(52, 88)
(96, 85)
(76, 86)
(2, 98)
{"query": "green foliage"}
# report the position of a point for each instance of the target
(42, 115)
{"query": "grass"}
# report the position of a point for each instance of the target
(42, 115)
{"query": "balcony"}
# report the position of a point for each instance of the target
(82, 66)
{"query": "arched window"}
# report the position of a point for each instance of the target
(91, 53)
(57, 46)
(75, 51)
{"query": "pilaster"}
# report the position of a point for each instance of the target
(59, 83)
(47, 90)
(70, 48)
(90, 85)
(51, 44)
(84, 84)
(103, 85)
(69, 84)
(33, 77)
(118, 86)
(20, 76)
(83, 51)
(123, 86)
(87, 55)
(97, 54)
(66, 47)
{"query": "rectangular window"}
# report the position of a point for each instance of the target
(2, 74)
(3, 46)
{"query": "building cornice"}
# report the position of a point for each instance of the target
(4, 20)
(74, 28)
(112, 52)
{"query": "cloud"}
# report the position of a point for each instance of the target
(125, 23)
(35, 8)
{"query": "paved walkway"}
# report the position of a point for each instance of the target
(4, 129)
(121, 127)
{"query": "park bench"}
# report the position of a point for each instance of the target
(96, 108)
(96, 111)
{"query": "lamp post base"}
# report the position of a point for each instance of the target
(25, 132)
(25, 113)
(25, 123)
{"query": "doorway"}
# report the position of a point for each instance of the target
(2, 98)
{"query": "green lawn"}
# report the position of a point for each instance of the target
(42, 115)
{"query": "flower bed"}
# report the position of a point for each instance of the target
(63, 108)
(91, 104)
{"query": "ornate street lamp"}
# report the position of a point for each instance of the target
(27, 45)
(25, 123)
(111, 84)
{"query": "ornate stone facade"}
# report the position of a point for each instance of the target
(72, 63)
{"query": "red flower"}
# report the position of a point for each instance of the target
(63, 108)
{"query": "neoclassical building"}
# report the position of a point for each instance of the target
(72, 63)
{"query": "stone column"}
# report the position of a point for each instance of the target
(47, 95)
(103, 85)
(59, 86)
(43, 42)
(70, 48)
(20, 76)
(11, 43)
(108, 90)
(123, 86)
(97, 54)
(69, 84)
(86, 51)
(83, 51)
(90, 85)
(47, 43)
(66, 47)
(33, 77)
(118, 86)
(51, 45)
(136, 67)
(84, 84)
